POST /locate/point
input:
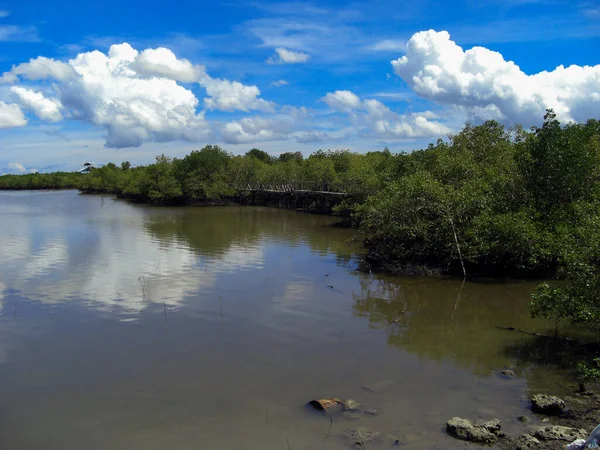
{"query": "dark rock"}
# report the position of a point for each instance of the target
(547, 404)
(361, 436)
(508, 373)
(523, 419)
(559, 433)
(527, 442)
(372, 412)
(486, 433)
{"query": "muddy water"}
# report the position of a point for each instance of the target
(133, 327)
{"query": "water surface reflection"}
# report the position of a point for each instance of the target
(129, 326)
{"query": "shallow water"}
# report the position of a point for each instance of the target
(135, 327)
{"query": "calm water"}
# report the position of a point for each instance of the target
(132, 327)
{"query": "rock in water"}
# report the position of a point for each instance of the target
(361, 436)
(372, 412)
(486, 433)
(547, 404)
(508, 373)
(350, 405)
(559, 433)
(527, 442)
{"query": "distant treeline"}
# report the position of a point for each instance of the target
(54, 180)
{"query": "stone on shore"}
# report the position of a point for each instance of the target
(486, 433)
(559, 433)
(547, 404)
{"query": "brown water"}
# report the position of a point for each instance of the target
(133, 327)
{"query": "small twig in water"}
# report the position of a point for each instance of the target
(330, 286)
(329, 430)
(288, 443)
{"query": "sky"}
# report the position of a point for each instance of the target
(124, 80)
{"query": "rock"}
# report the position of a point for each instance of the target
(559, 433)
(372, 412)
(527, 442)
(361, 436)
(486, 433)
(523, 419)
(493, 426)
(350, 405)
(547, 404)
(508, 373)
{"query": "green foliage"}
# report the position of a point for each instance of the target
(260, 155)
(55, 180)
(589, 372)
(521, 203)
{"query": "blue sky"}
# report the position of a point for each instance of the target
(281, 76)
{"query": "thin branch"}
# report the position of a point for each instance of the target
(458, 248)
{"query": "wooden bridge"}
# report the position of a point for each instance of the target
(306, 187)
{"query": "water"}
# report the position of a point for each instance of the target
(135, 327)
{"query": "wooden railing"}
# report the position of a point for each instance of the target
(300, 186)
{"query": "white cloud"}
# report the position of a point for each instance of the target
(4, 14)
(257, 129)
(17, 167)
(15, 33)
(11, 116)
(388, 45)
(133, 95)
(436, 68)
(284, 56)
(374, 118)
(40, 68)
(106, 90)
(45, 108)
(307, 137)
(162, 62)
(228, 95)
(279, 83)
(342, 100)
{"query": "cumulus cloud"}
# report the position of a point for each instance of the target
(284, 56)
(374, 118)
(114, 91)
(45, 108)
(228, 95)
(40, 68)
(279, 83)
(11, 116)
(162, 62)
(256, 129)
(344, 101)
(4, 14)
(17, 167)
(480, 79)
(134, 96)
